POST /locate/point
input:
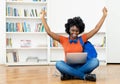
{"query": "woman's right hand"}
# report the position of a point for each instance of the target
(42, 14)
(47, 29)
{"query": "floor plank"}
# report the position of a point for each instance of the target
(109, 74)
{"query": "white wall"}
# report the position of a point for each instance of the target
(88, 10)
(2, 32)
(113, 31)
(60, 10)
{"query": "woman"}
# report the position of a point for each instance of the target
(74, 27)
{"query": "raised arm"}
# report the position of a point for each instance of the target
(98, 26)
(47, 29)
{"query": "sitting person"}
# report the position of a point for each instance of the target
(74, 27)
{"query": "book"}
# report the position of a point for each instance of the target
(9, 57)
(25, 43)
(15, 57)
(12, 57)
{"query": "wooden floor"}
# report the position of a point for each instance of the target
(109, 74)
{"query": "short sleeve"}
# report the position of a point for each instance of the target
(84, 37)
(62, 39)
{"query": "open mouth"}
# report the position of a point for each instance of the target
(74, 35)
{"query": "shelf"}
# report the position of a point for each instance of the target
(61, 48)
(100, 32)
(26, 63)
(100, 48)
(43, 33)
(22, 17)
(65, 34)
(52, 63)
(26, 2)
(102, 62)
(29, 48)
(56, 48)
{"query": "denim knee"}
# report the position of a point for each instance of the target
(95, 62)
(59, 63)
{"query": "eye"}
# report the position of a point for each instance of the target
(74, 29)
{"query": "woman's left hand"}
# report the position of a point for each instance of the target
(105, 11)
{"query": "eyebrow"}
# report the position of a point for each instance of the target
(74, 30)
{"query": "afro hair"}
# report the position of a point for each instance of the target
(76, 21)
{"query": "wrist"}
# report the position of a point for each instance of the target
(42, 18)
(104, 15)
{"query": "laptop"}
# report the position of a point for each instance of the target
(76, 58)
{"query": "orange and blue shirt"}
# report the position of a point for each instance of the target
(72, 47)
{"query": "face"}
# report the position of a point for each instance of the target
(74, 31)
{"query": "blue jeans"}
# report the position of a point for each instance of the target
(77, 70)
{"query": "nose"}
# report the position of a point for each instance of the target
(74, 32)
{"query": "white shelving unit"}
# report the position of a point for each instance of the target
(38, 51)
(25, 46)
(99, 40)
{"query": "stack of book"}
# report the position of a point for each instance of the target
(8, 42)
(11, 57)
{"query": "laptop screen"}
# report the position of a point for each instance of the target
(76, 58)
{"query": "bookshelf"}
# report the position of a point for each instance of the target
(26, 39)
(27, 43)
